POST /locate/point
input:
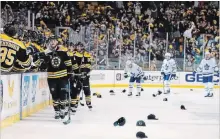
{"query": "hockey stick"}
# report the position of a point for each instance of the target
(163, 84)
(69, 107)
(81, 98)
(82, 91)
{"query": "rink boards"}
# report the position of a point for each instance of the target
(25, 94)
(115, 78)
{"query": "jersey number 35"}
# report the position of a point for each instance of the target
(7, 55)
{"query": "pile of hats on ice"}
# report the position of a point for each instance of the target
(121, 122)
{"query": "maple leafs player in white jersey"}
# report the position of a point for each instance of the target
(136, 74)
(168, 70)
(208, 67)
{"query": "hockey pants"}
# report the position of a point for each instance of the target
(58, 89)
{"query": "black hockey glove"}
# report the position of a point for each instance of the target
(194, 72)
(125, 75)
(173, 75)
(83, 75)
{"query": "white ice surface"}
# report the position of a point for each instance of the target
(199, 121)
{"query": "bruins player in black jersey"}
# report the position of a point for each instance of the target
(34, 47)
(75, 82)
(59, 64)
(84, 70)
(32, 43)
(13, 51)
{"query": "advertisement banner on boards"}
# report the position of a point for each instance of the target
(189, 77)
(102, 76)
(34, 91)
(26, 89)
(10, 89)
(42, 88)
(151, 77)
(1, 95)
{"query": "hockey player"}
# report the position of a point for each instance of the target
(59, 64)
(33, 47)
(13, 51)
(136, 74)
(36, 46)
(84, 70)
(208, 67)
(74, 82)
(168, 71)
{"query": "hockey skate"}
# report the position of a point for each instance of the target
(76, 105)
(62, 113)
(73, 110)
(130, 94)
(89, 105)
(57, 115)
(167, 91)
(209, 95)
(66, 111)
(138, 94)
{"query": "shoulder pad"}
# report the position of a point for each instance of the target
(20, 43)
(86, 54)
(27, 44)
(38, 47)
(62, 48)
(6, 37)
(69, 53)
(78, 54)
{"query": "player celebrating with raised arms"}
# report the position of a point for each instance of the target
(208, 67)
(136, 74)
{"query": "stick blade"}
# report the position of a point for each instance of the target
(81, 104)
(67, 122)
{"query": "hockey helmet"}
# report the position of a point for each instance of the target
(129, 63)
(80, 47)
(10, 30)
(167, 56)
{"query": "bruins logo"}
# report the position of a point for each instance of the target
(55, 62)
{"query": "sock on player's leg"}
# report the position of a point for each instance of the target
(73, 105)
(206, 90)
(130, 89)
(167, 87)
(210, 87)
(138, 89)
(88, 102)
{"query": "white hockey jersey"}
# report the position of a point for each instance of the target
(207, 67)
(169, 67)
(135, 70)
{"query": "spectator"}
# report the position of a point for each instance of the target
(128, 29)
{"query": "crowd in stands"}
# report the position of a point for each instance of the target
(143, 31)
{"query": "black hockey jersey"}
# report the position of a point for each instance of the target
(85, 65)
(13, 52)
(59, 64)
(76, 60)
